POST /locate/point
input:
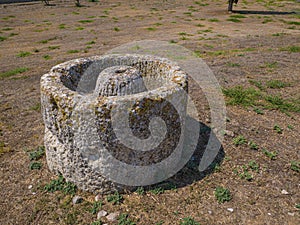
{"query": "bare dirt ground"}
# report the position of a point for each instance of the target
(253, 47)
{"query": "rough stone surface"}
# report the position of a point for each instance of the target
(112, 216)
(78, 99)
(98, 197)
(101, 214)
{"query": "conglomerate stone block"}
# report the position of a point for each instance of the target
(102, 111)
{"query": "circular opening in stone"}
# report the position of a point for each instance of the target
(155, 87)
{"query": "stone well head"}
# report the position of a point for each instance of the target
(114, 121)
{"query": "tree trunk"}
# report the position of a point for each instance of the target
(230, 4)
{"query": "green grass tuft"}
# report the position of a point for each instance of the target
(188, 221)
(38, 153)
(269, 154)
(222, 195)
(13, 72)
(23, 54)
(277, 84)
(295, 166)
(61, 185)
(125, 220)
(115, 198)
(35, 165)
(235, 20)
(72, 51)
(86, 21)
(239, 95)
(277, 102)
(292, 49)
(96, 207)
(239, 140)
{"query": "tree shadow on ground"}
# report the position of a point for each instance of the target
(190, 172)
(262, 12)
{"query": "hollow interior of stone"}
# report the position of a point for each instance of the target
(106, 76)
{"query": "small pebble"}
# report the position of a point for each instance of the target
(77, 199)
(230, 209)
(112, 216)
(101, 214)
(269, 214)
(30, 186)
(33, 193)
(98, 198)
(284, 192)
(291, 214)
(229, 133)
(209, 212)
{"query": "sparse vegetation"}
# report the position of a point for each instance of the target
(151, 28)
(222, 194)
(269, 154)
(245, 174)
(258, 111)
(23, 54)
(278, 129)
(37, 153)
(86, 21)
(188, 221)
(125, 220)
(291, 49)
(235, 20)
(97, 222)
(239, 140)
(53, 47)
(96, 207)
(140, 191)
(72, 51)
(46, 57)
(35, 165)
(253, 145)
(233, 64)
(91, 43)
(115, 198)
(13, 72)
(157, 190)
(214, 20)
(277, 84)
(295, 165)
(277, 102)
(239, 95)
(61, 185)
(253, 165)
(2, 38)
(62, 26)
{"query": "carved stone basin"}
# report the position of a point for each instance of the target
(114, 121)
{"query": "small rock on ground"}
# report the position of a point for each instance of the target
(101, 214)
(98, 198)
(230, 209)
(77, 199)
(112, 216)
(229, 133)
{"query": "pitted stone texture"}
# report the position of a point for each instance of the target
(118, 81)
(83, 132)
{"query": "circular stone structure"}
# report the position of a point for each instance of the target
(114, 121)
